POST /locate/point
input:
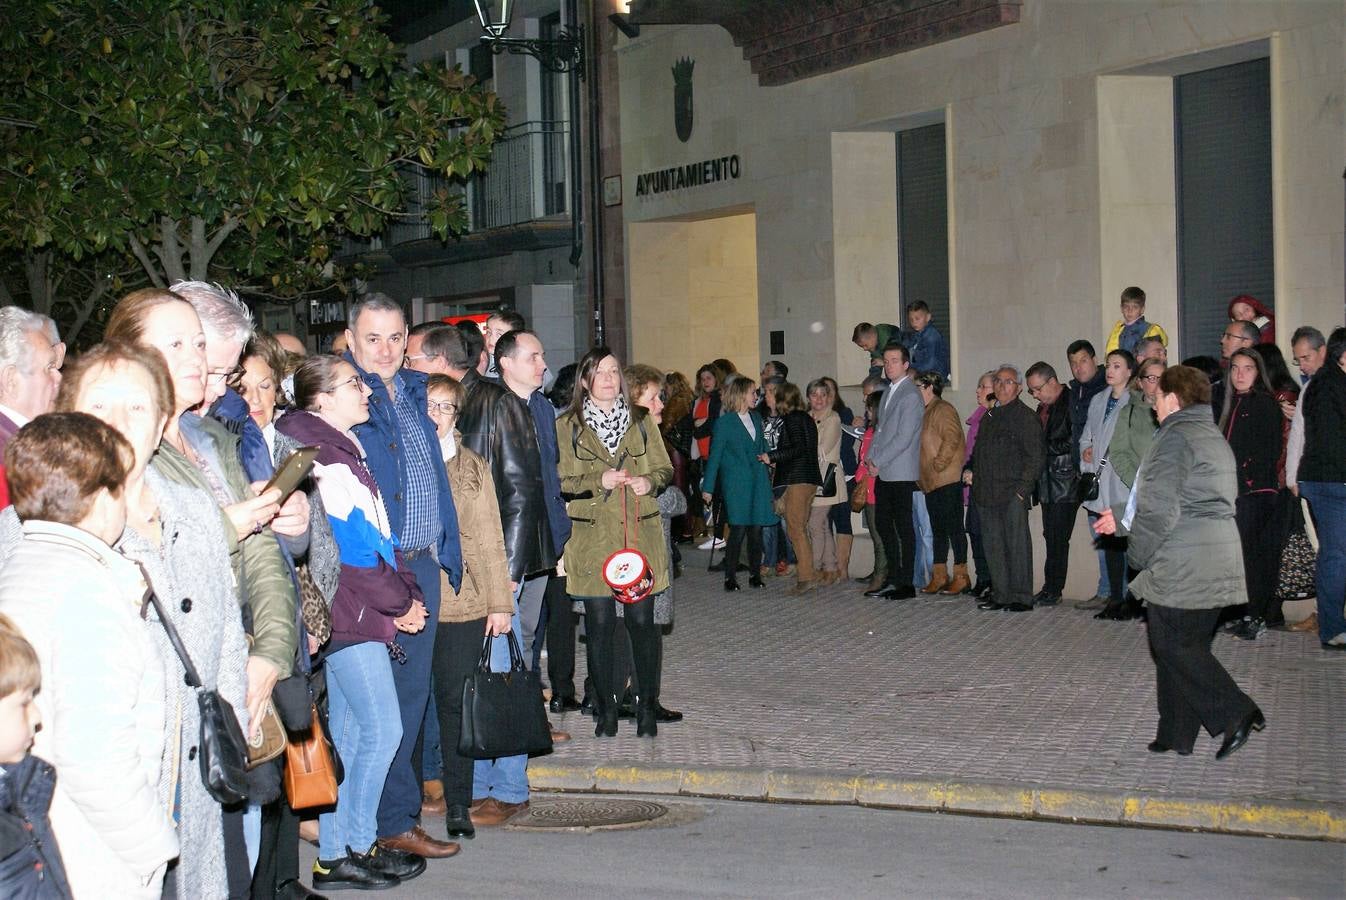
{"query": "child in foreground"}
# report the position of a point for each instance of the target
(30, 861)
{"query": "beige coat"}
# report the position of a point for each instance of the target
(597, 519)
(942, 446)
(485, 574)
(829, 454)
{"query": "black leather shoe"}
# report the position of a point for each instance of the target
(756, 581)
(294, 889)
(458, 821)
(1236, 738)
(731, 585)
(1018, 607)
(400, 864)
(989, 603)
(1157, 746)
(1046, 598)
(881, 593)
(352, 871)
(906, 592)
(563, 704)
(666, 715)
(983, 591)
(587, 704)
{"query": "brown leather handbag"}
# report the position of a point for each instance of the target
(270, 740)
(310, 775)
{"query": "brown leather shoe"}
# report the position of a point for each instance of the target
(418, 842)
(433, 807)
(1309, 624)
(557, 735)
(493, 812)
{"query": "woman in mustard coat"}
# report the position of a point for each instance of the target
(613, 464)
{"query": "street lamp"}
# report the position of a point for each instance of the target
(564, 53)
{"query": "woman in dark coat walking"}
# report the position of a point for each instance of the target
(736, 470)
(1180, 522)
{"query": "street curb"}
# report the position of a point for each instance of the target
(1274, 818)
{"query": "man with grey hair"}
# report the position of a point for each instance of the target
(1003, 470)
(1151, 348)
(31, 355)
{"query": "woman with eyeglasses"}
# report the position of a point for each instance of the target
(376, 599)
(484, 604)
(613, 465)
(1105, 409)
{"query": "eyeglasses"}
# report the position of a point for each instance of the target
(1006, 381)
(1236, 336)
(354, 381)
(408, 358)
(218, 377)
(1151, 379)
(443, 407)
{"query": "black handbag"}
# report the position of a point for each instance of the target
(503, 713)
(1086, 488)
(222, 749)
(829, 486)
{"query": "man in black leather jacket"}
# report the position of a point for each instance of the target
(1056, 484)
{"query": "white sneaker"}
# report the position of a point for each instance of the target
(712, 543)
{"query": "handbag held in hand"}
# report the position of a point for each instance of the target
(503, 713)
(310, 773)
(222, 749)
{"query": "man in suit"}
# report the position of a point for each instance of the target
(30, 369)
(895, 459)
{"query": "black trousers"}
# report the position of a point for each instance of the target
(978, 547)
(892, 500)
(1009, 550)
(1193, 688)
(457, 649)
(735, 542)
(560, 639)
(278, 860)
(1262, 545)
(647, 638)
(945, 506)
(1058, 521)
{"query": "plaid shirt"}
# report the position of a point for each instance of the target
(422, 526)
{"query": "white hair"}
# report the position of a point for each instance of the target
(223, 316)
(15, 324)
(1006, 367)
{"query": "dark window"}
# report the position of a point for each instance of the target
(923, 225)
(1223, 133)
(555, 121)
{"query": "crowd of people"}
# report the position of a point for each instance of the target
(463, 497)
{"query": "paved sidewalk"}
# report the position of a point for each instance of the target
(932, 703)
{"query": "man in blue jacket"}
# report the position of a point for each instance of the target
(402, 451)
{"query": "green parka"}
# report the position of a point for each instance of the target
(597, 520)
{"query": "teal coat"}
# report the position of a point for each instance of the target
(733, 467)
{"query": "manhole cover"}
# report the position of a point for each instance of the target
(588, 814)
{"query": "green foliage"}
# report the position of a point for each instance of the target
(234, 139)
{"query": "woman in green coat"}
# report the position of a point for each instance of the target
(741, 477)
(613, 465)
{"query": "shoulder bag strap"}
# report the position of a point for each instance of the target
(193, 678)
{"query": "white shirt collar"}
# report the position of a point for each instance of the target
(18, 418)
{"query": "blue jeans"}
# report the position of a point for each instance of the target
(432, 765)
(506, 778)
(1327, 502)
(925, 539)
(366, 729)
(1104, 583)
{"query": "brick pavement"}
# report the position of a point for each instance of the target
(934, 688)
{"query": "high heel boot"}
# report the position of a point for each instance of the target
(605, 711)
(647, 721)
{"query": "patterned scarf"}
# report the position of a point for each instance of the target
(609, 426)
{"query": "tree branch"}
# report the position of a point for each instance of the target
(141, 254)
(213, 245)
